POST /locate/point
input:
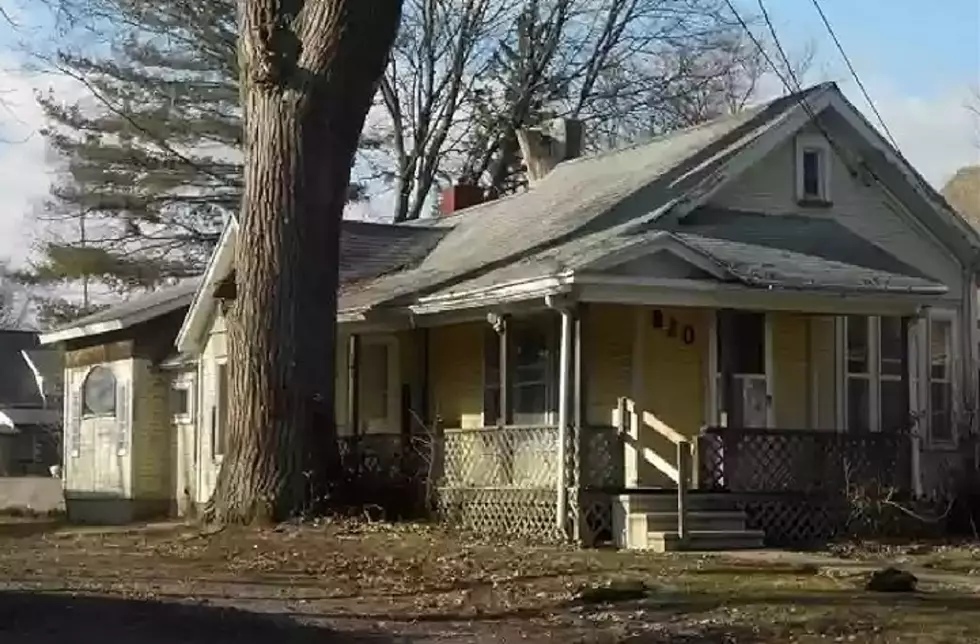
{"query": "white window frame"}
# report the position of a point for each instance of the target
(813, 143)
(952, 318)
(184, 382)
(391, 423)
(873, 373)
(219, 416)
(550, 381)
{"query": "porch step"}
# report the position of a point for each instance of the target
(699, 520)
(705, 540)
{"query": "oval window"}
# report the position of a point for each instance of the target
(99, 392)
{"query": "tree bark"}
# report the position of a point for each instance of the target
(309, 73)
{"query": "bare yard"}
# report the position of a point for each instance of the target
(350, 582)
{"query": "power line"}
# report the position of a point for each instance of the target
(857, 79)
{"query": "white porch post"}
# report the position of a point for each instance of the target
(564, 391)
(631, 456)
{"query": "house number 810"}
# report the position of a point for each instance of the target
(673, 328)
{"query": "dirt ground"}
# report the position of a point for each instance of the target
(377, 583)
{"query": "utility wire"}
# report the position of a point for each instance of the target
(795, 88)
(857, 79)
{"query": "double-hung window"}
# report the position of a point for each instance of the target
(874, 395)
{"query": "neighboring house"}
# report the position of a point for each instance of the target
(30, 405)
(766, 302)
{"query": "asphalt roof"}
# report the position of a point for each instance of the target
(580, 197)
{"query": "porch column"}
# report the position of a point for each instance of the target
(499, 323)
(579, 412)
(908, 365)
(564, 400)
(354, 384)
(726, 367)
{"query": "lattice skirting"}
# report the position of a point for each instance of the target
(794, 520)
(596, 518)
(517, 513)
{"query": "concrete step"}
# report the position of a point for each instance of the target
(706, 540)
(714, 520)
(666, 501)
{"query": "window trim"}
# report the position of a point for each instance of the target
(950, 316)
(813, 143)
(392, 421)
(84, 408)
(491, 339)
(218, 415)
(184, 382)
(873, 374)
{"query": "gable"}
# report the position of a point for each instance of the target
(662, 264)
(859, 203)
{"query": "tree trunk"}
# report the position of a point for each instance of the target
(309, 73)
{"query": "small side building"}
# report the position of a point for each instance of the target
(119, 443)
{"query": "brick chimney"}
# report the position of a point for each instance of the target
(459, 196)
(547, 145)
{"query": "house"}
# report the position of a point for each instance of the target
(685, 342)
(30, 406)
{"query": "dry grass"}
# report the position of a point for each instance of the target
(381, 582)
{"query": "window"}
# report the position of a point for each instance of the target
(374, 390)
(893, 412)
(858, 366)
(99, 392)
(180, 401)
(941, 380)
(219, 413)
(812, 170)
(531, 373)
(749, 367)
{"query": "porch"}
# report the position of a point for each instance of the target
(524, 428)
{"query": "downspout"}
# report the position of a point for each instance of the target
(564, 308)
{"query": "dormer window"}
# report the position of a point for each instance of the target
(812, 171)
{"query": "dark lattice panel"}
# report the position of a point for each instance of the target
(761, 460)
(794, 520)
(596, 518)
(602, 457)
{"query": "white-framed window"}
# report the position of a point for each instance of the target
(219, 412)
(874, 398)
(813, 163)
(378, 389)
(182, 399)
(942, 407)
(532, 373)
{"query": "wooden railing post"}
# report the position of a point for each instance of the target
(683, 475)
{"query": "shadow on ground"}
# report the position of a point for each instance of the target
(40, 618)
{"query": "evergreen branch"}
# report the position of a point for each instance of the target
(121, 113)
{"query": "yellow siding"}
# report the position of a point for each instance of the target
(790, 380)
(153, 435)
(824, 371)
(674, 372)
(608, 339)
(456, 374)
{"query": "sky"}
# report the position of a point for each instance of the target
(919, 66)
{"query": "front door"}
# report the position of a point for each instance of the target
(742, 346)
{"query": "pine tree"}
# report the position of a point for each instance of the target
(152, 160)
